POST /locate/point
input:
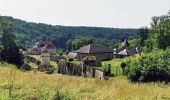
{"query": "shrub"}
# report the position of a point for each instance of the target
(151, 67)
(107, 70)
(123, 65)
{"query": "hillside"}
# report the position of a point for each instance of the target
(39, 86)
(28, 33)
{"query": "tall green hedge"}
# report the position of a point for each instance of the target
(151, 67)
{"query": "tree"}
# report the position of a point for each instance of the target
(151, 67)
(143, 35)
(10, 50)
(160, 32)
(79, 42)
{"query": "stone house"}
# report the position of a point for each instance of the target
(100, 52)
(39, 46)
(125, 50)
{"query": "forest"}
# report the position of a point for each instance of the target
(67, 37)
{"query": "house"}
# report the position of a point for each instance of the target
(125, 50)
(101, 52)
(39, 46)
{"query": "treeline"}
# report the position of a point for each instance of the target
(66, 37)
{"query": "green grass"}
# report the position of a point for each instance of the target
(41, 86)
(116, 64)
(53, 63)
(33, 65)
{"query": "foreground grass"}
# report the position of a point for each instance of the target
(40, 86)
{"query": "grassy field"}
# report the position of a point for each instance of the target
(17, 85)
(115, 64)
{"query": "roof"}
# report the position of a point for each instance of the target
(124, 52)
(128, 52)
(71, 55)
(43, 43)
(125, 43)
(94, 48)
(115, 50)
(89, 58)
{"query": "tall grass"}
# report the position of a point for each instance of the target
(40, 86)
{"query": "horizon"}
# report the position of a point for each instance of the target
(86, 13)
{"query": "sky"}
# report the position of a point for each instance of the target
(99, 13)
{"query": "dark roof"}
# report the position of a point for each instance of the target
(125, 43)
(94, 48)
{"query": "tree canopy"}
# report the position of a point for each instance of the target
(9, 49)
(29, 33)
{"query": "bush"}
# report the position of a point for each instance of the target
(107, 70)
(150, 68)
(123, 65)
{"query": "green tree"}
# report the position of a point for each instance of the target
(151, 67)
(10, 50)
(143, 35)
(79, 42)
(160, 32)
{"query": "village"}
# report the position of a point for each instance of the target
(84, 50)
(88, 61)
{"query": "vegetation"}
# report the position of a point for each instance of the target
(160, 33)
(66, 37)
(116, 68)
(9, 50)
(31, 85)
(154, 66)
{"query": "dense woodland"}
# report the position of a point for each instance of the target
(67, 37)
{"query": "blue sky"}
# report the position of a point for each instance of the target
(100, 13)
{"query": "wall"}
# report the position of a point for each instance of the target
(67, 68)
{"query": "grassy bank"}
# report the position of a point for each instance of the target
(40, 86)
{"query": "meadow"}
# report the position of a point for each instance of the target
(32, 85)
